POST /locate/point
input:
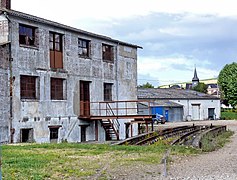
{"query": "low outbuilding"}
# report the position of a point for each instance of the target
(184, 104)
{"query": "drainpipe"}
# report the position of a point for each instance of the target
(116, 77)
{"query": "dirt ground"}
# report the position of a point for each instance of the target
(195, 167)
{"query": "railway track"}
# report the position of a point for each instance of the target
(180, 134)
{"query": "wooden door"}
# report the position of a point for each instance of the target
(84, 98)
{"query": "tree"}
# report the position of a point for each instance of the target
(227, 81)
(147, 85)
(201, 87)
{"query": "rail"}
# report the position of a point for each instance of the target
(120, 108)
(181, 133)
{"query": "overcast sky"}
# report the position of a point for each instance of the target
(175, 35)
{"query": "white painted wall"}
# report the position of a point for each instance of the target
(204, 105)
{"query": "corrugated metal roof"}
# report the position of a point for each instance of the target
(59, 25)
(163, 93)
(165, 103)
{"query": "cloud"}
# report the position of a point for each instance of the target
(175, 35)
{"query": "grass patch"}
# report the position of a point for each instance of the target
(85, 161)
(211, 143)
(68, 160)
(229, 115)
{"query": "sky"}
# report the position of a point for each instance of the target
(176, 35)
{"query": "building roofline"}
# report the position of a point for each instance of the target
(56, 24)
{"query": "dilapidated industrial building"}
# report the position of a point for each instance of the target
(59, 83)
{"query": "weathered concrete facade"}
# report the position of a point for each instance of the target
(4, 81)
(35, 117)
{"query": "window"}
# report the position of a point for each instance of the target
(27, 35)
(108, 91)
(57, 89)
(28, 87)
(83, 47)
(56, 50)
(107, 52)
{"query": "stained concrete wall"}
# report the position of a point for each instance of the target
(4, 95)
(43, 112)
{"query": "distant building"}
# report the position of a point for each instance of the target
(212, 86)
(184, 104)
(195, 79)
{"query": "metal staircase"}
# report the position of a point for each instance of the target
(111, 126)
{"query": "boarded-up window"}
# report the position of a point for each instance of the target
(83, 47)
(56, 50)
(108, 91)
(27, 35)
(107, 52)
(28, 87)
(57, 88)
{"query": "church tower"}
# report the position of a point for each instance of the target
(195, 79)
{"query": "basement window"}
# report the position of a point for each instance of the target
(83, 47)
(28, 87)
(53, 134)
(108, 91)
(107, 53)
(58, 88)
(27, 35)
(27, 135)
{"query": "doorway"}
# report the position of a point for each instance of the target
(83, 133)
(84, 98)
(211, 113)
(27, 135)
(196, 111)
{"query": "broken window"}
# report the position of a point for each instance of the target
(56, 50)
(83, 47)
(57, 88)
(28, 87)
(27, 35)
(107, 52)
(53, 134)
(27, 135)
(108, 91)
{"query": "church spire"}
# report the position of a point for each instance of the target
(195, 79)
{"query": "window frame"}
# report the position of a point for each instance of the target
(57, 88)
(23, 36)
(108, 91)
(82, 46)
(107, 52)
(28, 87)
(56, 50)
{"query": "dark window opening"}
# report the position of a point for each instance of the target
(108, 91)
(27, 135)
(53, 134)
(27, 35)
(28, 87)
(57, 89)
(56, 49)
(107, 52)
(83, 47)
